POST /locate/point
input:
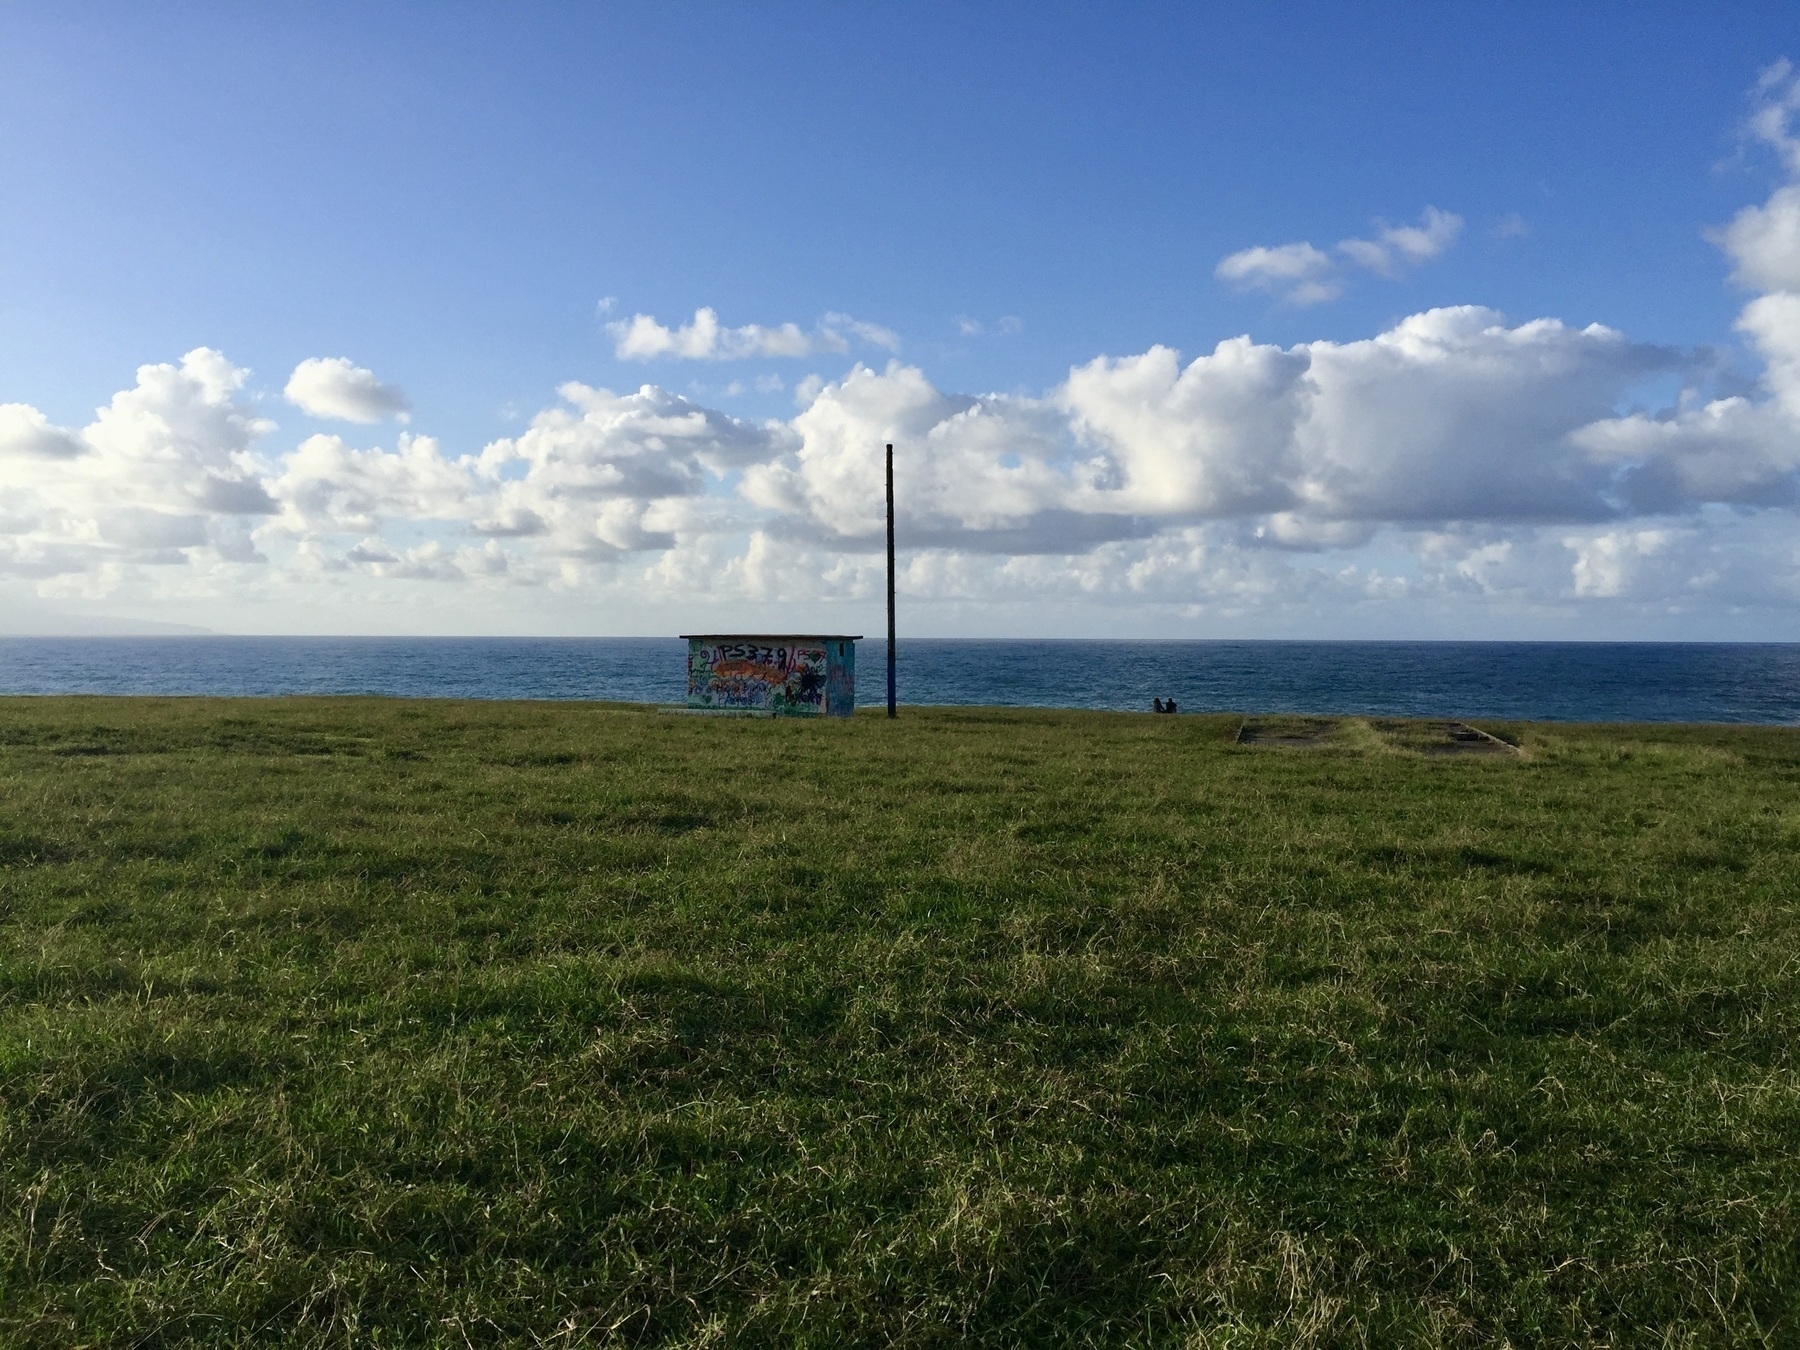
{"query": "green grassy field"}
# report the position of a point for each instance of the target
(388, 1023)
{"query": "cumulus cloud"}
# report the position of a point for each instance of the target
(1457, 458)
(874, 334)
(1763, 241)
(327, 487)
(1396, 246)
(1775, 104)
(597, 476)
(1744, 451)
(1451, 415)
(26, 431)
(166, 467)
(335, 389)
(1304, 275)
(1128, 472)
(1300, 273)
(1609, 564)
(642, 338)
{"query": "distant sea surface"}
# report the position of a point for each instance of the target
(1553, 681)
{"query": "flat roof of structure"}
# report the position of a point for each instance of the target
(777, 637)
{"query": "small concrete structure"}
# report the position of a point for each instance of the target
(779, 676)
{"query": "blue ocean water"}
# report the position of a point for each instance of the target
(1557, 681)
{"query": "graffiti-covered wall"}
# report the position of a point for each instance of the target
(785, 676)
(840, 678)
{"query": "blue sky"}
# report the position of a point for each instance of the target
(462, 200)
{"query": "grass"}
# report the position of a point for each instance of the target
(389, 1023)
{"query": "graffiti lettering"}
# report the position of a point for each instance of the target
(797, 679)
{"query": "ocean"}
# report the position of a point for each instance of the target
(1551, 681)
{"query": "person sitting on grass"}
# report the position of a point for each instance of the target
(1156, 705)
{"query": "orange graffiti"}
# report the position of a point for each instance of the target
(749, 670)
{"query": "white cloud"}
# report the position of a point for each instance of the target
(1304, 275)
(594, 478)
(26, 431)
(1737, 450)
(1450, 415)
(429, 561)
(1763, 242)
(1007, 325)
(165, 468)
(1772, 323)
(1456, 463)
(332, 388)
(1732, 451)
(871, 333)
(1395, 246)
(1609, 564)
(327, 487)
(1300, 272)
(1775, 110)
(1213, 485)
(642, 338)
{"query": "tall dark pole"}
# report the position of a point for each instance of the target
(890, 649)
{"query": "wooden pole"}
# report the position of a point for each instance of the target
(890, 644)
